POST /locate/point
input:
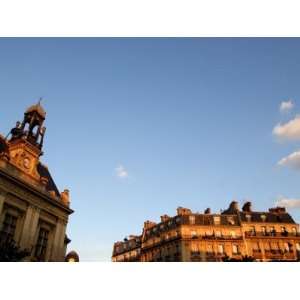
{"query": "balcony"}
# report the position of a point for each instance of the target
(220, 237)
(196, 256)
(279, 254)
(271, 234)
(257, 254)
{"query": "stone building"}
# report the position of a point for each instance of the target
(32, 210)
(233, 235)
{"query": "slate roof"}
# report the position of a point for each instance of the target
(270, 217)
(44, 172)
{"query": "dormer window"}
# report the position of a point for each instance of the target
(248, 218)
(217, 220)
(230, 220)
(263, 218)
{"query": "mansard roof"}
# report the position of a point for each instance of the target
(44, 172)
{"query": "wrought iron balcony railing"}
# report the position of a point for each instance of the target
(271, 234)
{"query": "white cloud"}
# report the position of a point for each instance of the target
(121, 172)
(292, 161)
(289, 130)
(286, 106)
(288, 202)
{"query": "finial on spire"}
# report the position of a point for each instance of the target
(40, 100)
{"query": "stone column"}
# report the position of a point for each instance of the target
(58, 252)
(30, 228)
(2, 197)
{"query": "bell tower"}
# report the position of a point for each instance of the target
(26, 141)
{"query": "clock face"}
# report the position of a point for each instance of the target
(26, 163)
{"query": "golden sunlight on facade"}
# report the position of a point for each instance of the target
(232, 235)
(33, 213)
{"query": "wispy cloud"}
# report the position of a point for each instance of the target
(288, 202)
(292, 161)
(286, 106)
(289, 130)
(121, 172)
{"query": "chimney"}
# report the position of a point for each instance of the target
(277, 210)
(181, 211)
(207, 211)
(247, 207)
(148, 224)
(164, 218)
(234, 206)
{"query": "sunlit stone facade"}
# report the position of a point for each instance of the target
(233, 235)
(32, 211)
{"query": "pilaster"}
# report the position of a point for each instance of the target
(58, 242)
(30, 228)
(2, 197)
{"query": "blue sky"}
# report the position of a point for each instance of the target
(185, 122)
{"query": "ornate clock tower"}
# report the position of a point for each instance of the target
(33, 212)
(25, 145)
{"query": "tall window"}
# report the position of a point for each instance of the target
(9, 225)
(218, 233)
(209, 248)
(284, 232)
(255, 246)
(286, 247)
(252, 230)
(192, 220)
(193, 234)
(41, 246)
(220, 249)
(264, 230)
(194, 247)
(294, 231)
(267, 246)
(272, 231)
(235, 249)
